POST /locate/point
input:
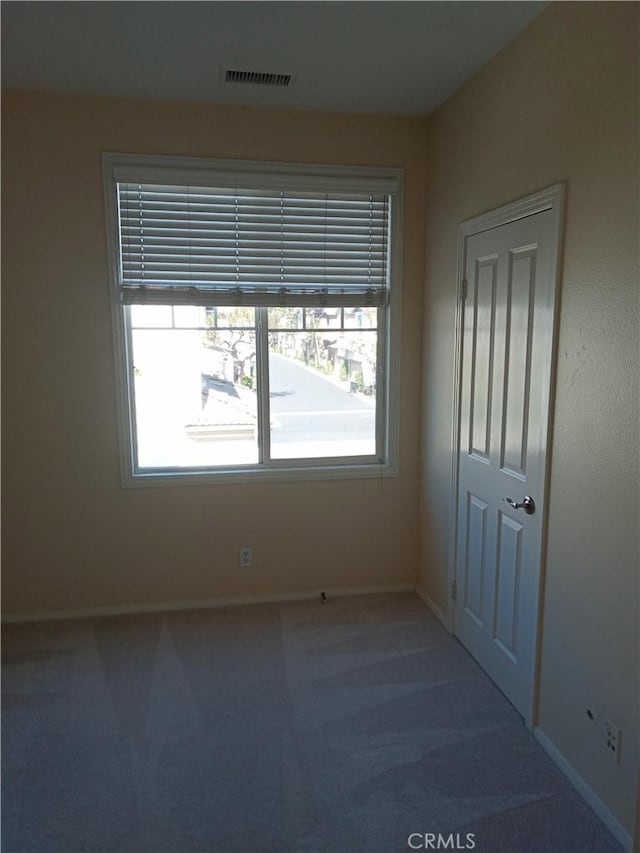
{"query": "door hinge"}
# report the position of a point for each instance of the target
(463, 289)
(454, 591)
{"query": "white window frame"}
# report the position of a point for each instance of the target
(257, 174)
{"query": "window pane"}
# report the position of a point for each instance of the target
(151, 316)
(195, 399)
(189, 316)
(322, 393)
(236, 316)
(323, 318)
(286, 318)
(360, 318)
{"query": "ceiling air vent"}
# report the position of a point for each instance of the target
(256, 78)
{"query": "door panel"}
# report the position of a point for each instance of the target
(507, 336)
(482, 356)
(520, 294)
(505, 626)
(475, 558)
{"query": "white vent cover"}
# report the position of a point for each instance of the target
(256, 78)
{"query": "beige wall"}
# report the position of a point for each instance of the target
(73, 538)
(559, 103)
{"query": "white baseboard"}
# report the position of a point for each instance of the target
(202, 603)
(604, 813)
(433, 607)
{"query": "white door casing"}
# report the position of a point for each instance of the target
(506, 361)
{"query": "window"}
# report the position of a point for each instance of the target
(255, 310)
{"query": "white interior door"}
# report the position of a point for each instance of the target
(506, 362)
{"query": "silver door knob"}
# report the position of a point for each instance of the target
(527, 504)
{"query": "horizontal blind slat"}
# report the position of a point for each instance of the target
(249, 251)
(229, 274)
(224, 205)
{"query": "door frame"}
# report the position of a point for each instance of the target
(549, 199)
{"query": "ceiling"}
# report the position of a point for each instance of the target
(401, 58)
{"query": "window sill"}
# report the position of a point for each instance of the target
(257, 475)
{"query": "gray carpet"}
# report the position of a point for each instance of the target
(296, 728)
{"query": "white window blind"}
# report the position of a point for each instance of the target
(204, 245)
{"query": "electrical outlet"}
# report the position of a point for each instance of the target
(246, 557)
(614, 736)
